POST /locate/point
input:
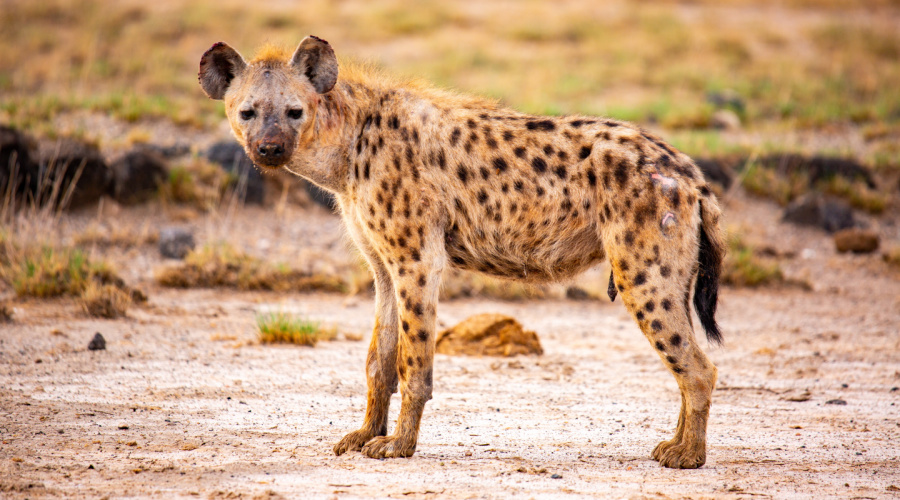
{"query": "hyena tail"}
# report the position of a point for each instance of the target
(712, 252)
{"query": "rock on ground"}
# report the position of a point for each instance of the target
(816, 210)
(175, 242)
(137, 176)
(856, 240)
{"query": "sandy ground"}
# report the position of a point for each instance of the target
(185, 403)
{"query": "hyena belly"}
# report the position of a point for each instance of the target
(538, 244)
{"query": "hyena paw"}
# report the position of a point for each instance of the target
(680, 455)
(353, 441)
(389, 447)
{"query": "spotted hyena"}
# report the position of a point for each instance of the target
(427, 179)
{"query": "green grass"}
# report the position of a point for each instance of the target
(744, 268)
(280, 327)
(825, 63)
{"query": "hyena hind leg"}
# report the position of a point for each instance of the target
(657, 298)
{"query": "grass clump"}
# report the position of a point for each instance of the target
(48, 271)
(892, 257)
(52, 272)
(105, 301)
(215, 266)
(743, 267)
(280, 327)
(768, 183)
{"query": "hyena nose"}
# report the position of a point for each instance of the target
(270, 150)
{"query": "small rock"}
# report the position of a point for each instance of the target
(175, 242)
(577, 293)
(556, 476)
(98, 343)
(137, 176)
(813, 209)
(231, 156)
(488, 335)
(856, 240)
(725, 119)
(839, 402)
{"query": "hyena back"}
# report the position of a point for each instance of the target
(426, 178)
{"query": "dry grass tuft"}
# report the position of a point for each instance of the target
(214, 266)
(892, 256)
(743, 267)
(6, 313)
(280, 327)
(105, 301)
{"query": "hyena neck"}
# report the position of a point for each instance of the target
(339, 117)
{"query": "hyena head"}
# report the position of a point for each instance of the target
(271, 102)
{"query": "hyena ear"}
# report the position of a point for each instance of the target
(218, 67)
(315, 59)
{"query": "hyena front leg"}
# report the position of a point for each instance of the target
(417, 279)
(381, 362)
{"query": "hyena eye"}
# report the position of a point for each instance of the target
(295, 114)
(247, 114)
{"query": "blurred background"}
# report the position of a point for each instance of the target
(780, 67)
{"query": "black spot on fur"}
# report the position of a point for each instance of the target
(542, 125)
(520, 152)
(675, 340)
(666, 304)
(656, 325)
(671, 360)
(649, 306)
(519, 185)
(584, 152)
(539, 191)
(665, 271)
(660, 346)
(640, 278)
(677, 369)
(621, 173)
(406, 326)
(482, 197)
(471, 123)
(500, 164)
(454, 136)
(423, 335)
(639, 315)
(629, 238)
(484, 173)
(592, 177)
(561, 171)
(539, 165)
(508, 135)
(417, 309)
(463, 173)
(442, 159)
(576, 123)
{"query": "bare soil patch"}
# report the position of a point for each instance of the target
(186, 402)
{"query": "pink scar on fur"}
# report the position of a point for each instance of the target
(667, 183)
(668, 221)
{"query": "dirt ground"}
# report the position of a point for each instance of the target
(184, 402)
